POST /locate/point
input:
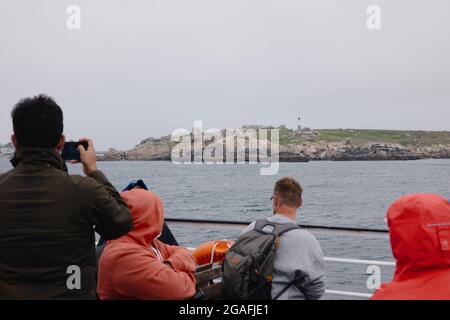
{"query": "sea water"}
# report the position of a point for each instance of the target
(348, 194)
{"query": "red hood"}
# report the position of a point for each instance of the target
(419, 228)
(148, 215)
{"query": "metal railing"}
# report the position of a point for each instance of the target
(371, 233)
(315, 229)
(361, 262)
(357, 262)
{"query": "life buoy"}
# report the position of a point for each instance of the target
(212, 251)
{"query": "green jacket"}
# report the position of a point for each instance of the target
(47, 223)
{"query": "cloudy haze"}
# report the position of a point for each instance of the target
(143, 68)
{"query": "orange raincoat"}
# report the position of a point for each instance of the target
(419, 228)
(137, 265)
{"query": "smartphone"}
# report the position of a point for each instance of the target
(70, 150)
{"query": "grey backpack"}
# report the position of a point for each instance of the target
(248, 265)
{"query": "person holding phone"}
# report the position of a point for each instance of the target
(47, 216)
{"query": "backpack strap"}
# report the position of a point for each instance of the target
(278, 228)
(299, 282)
(285, 227)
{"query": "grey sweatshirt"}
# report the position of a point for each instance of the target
(298, 250)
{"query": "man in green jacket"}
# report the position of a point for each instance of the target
(48, 217)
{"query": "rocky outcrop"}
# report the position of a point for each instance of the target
(345, 151)
(161, 148)
(151, 149)
(113, 155)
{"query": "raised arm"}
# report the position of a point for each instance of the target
(110, 214)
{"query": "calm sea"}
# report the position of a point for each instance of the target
(350, 194)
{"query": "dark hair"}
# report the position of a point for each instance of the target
(288, 190)
(37, 122)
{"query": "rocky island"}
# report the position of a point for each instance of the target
(6, 150)
(322, 144)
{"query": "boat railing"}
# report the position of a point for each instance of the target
(356, 262)
(315, 229)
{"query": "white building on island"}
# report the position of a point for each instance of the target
(304, 132)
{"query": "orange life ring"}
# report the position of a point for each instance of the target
(212, 251)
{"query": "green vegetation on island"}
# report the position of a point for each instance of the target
(362, 136)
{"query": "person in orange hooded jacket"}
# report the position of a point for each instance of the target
(138, 265)
(419, 228)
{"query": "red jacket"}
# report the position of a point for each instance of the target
(134, 266)
(419, 228)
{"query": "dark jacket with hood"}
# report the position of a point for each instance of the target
(47, 224)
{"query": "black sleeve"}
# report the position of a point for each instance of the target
(167, 236)
(112, 218)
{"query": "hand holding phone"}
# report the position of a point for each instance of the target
(82, 151)
(70, 150)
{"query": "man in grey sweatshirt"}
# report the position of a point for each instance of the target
(298, 249)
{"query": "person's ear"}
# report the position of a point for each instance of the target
(274, 205)
(61, 142)
(276, 202)
(299, 203)
(14, 141)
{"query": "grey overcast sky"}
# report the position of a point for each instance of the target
(144, 68)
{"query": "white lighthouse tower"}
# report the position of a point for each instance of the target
(299, 125)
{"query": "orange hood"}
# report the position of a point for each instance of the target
(148, 215)
(419, 228)
(129, 269)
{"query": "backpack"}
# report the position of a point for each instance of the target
(248, 265)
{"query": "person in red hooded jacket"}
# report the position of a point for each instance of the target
(419, 229)
(138, 265)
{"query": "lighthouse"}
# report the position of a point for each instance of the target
(299, 126)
